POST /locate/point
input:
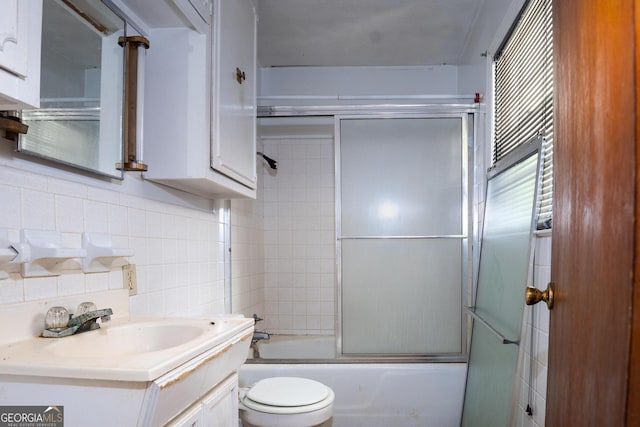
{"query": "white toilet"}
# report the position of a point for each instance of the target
(286, 402)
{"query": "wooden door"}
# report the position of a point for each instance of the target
(594, 354)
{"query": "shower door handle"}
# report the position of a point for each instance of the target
(533, 296)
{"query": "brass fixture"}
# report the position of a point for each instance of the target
(12, 125)
(533, 296)
(240, 76)
(130, 161)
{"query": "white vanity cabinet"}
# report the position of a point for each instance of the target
(20, 31)
(218, 408)
(202, 391)
(200, 104)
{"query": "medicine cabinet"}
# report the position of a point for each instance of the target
(79, 122)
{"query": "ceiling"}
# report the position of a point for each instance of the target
(374, 32)
(362, 32)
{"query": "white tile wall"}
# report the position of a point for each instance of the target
(247, 248)
(177, 249)
(299, 236)
(534, 371)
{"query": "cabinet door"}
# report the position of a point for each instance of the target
(20, 30)
(203, 7)
(220, 406)
(13, 35)
(197, 12)
(234, 110)
(190, 418)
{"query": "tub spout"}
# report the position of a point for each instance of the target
(257, 336)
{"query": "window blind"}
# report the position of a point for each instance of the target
(523, 92)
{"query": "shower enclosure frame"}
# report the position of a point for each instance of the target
(468, 117)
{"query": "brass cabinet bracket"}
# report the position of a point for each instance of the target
(12, 126)
(130, 119)
(533, 296)
(240, 75)
(135, 41)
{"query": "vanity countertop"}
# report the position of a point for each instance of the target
(125, 349)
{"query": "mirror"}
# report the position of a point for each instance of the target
(79, 122)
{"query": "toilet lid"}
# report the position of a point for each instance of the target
(288, 391)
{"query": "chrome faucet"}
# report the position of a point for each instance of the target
(257, 336)
(60, 323)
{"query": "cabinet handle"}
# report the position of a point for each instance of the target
(240, 76)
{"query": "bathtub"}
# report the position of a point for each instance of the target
(287, 347)
(367, 394)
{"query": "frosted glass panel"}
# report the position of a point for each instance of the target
(489, 381)
(504, 260)
(401, 296)
(401, 176)
(502, 279)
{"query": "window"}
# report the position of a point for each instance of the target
(523, 85)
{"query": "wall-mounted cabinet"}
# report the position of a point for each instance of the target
(200, 108)
(234, 95)
(20, 21)
(197, 12)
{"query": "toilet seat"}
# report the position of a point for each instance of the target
(288, 395)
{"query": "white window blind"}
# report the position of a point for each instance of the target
(523, 85)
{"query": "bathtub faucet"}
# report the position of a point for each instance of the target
(258, 335)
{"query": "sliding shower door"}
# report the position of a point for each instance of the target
(402, 224)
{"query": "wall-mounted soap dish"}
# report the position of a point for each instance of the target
(44, 254)
(100, 252)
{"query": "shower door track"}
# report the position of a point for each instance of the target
(443, 236)
(267, 111)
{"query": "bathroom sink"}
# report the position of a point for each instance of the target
(127, 349)
(127, 339)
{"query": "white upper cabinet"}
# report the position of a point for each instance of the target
(234, 94)
(20, 32)
(197, 12)
(199, 121)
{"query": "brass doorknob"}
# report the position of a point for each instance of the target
(533, 296)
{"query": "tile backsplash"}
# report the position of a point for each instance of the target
(178, 250)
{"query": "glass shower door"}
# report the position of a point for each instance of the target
(402, 234)
(505, 257)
